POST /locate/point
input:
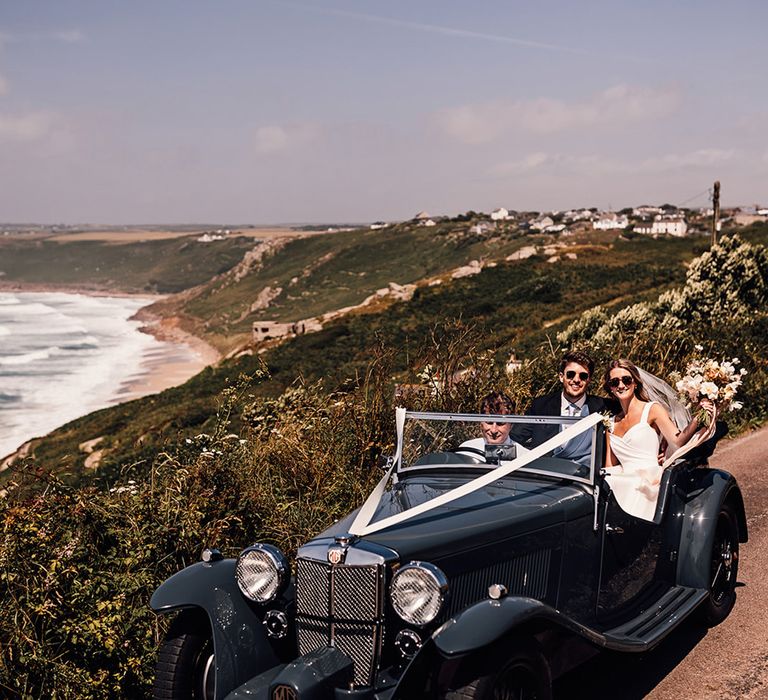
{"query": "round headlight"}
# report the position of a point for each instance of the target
(418, 592)
(262, 572)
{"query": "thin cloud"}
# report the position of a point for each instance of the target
(702, 158)
(540, 162)
(27, 127)
(621, 104)
(274, 138)
(69, 36)
(593, 164)
(440, 29)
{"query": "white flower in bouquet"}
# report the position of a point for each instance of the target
(706, 378)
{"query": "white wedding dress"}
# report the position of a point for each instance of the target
(635, 481)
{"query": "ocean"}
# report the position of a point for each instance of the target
(64, 355)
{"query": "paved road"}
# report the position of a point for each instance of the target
(727, 662)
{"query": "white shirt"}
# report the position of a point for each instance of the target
(565, 404)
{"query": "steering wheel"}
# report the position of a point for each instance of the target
(473, 450)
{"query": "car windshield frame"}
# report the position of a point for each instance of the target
(580, 473)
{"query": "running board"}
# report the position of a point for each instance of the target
(652, 625)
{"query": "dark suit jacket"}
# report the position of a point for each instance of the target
(549, 405)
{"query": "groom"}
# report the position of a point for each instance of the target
(576, 369)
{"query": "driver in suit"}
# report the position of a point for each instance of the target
(495, 403)
(575, 375)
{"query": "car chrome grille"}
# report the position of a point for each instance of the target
(341, 606)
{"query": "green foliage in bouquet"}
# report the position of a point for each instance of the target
(720, 312)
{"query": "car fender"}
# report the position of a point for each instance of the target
(708, 489)
(240, 643)
(477, 628)
(486, 622)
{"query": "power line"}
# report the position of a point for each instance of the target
(707, 192)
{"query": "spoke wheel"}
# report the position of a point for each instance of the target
(186, 666)
(724, 568)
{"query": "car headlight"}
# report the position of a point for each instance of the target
(262, 572)
(418, 591)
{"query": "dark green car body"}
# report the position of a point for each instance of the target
(572, 573)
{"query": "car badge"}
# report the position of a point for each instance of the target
(284, 692)
(337, 554)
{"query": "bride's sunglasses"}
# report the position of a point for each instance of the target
(570, 374)
(627, 380)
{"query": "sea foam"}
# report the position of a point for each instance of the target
(65, 355)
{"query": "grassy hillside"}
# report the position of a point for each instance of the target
(312, 276)
(255, 463)
(155, 266)
(514, 305)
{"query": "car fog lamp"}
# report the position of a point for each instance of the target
(261, 572)
(418, 592)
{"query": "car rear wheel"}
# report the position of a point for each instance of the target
(724, 568)
(186, 667)
(522, 674)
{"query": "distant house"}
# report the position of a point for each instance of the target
(500, 214)
(210, 237)
(645, 212)
(541, 222)
(481, 227)
(421, 216)
(610, 221)
(554, 228)
(378, 224)
(428, 222)
(577, 215)
(513, 364)
(671, 225)
(266, 330)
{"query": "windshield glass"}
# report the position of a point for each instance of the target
(559, 446)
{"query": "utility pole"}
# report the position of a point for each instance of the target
(715, 210)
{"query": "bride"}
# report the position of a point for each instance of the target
(634, 437)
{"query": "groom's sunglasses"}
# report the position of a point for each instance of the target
(570, 374)
(627, 380)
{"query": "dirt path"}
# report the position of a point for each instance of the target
(727, 662)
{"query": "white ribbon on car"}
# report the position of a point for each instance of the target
(362, 524)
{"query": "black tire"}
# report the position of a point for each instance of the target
(724, 569)
(521, 674)
(185, 668)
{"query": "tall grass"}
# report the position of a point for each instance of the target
(78, 564)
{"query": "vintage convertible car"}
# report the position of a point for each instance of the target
(468, 573)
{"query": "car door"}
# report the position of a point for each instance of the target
(629, 560)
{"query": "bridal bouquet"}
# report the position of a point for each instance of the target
(706, 378)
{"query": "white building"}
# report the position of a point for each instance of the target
(577, 215)
(481, 227)
(645, 212)
(500, 214)
(664, 225)
(608, 222)
(540, 223)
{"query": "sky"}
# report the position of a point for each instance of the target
(282, 111)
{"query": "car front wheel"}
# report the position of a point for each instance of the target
(186, 667)
(522, 674)
(724, 568)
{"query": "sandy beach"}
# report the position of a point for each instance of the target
(181, 357)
